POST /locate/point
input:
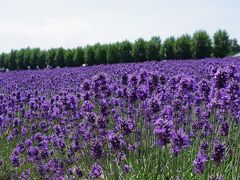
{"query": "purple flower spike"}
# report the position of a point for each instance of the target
(96, 171)
(219, 153)
(199, 163)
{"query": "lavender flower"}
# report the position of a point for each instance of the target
(224, 129)
(116, 141)
(219, 153)
(79, 172)
(127, 168)
(216, 178)
(204, 147)
(180, 141)
(199, 163)
(96, 171)
(25, 175)
(127, 126)
(97, 148)
(163, 129)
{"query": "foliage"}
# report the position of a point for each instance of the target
(59, 57)
(42, 59)
(221, 44)
(101, 54)
(12, 64)
(183, 47)
(152, 48)
(125, 52)
(139, 50)
(68, 58)
(168, 50)
(78, 57)
(89, 55)
(112, 54)
(50, 58)
(235, 47)
(201, 45)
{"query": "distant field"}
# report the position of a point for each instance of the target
(152, 120)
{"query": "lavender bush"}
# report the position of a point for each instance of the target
(153, 120)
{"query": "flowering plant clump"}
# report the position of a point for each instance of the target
(151, 120)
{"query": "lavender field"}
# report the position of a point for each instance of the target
(152, 120)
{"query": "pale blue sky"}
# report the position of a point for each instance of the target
(71, 23)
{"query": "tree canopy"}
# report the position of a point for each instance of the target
(199, 46)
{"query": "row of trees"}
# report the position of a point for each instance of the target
(200, 45)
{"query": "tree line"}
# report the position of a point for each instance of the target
(198, 46)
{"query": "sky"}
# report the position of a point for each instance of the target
(72, 23)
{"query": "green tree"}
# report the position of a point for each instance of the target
(3, 59)
(59, 57)
(235, 47)
(139, 50)
(89, 55)
(68, 58)
(34, 56)
(12, 60)
(26, 58)
(125, 52)
(50, 57)
(183, 47)
(101, 54)
(201, 45)
(152, 48)
(42, 60)
(20, 59)
(78, 56)
(221, 43)
(168, 48)
(112, 54)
